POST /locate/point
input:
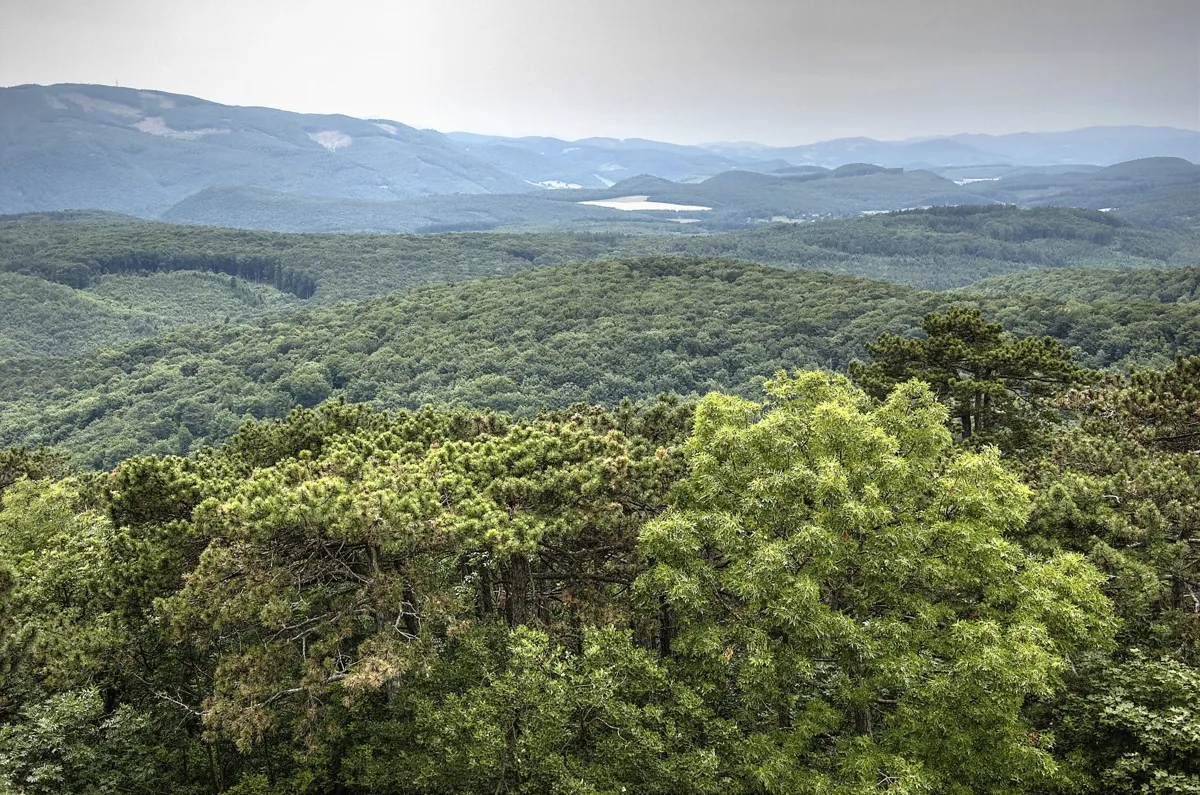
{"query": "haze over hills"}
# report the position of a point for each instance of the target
(597, 162)
(140, 152)
(729, 200)
(155, 154)
(1098, 146)
(1162, 192)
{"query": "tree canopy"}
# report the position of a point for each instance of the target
(817, 593)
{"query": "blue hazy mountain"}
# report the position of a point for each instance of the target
(155, 154)
(141, 152)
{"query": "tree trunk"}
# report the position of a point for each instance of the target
(666, 628)
(484, 602)
(516, 596)
(412, 622)
(862, 721)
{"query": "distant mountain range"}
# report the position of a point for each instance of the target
(160, 155)
(729, 200)
(1095, 146)
(141, 152)
(1162, 192)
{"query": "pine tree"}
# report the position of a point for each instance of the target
(999, 389)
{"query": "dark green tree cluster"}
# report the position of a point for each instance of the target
(75, 283)
(1123, 488)
(999, 389)
(934, 249)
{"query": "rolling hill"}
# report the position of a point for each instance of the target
(156, 154)
(1100, 146)
(734, 199)
(598, 162)
(544, 338)
(1168, 286)
(77, 282)
(744, 198)
(254, 208)
(1161, 191)
(1095, 145)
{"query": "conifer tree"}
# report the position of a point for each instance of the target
(998, 388)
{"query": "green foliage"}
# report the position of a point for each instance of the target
(18, 463)
(68, 744)
(459, 601)
(524, 591)
(547, 338)
(838, 584)
(1124, 488)
(1134, 727)
(998, 389)
(132, 279)
(46, 318)
(1169, 286)
(544, 339)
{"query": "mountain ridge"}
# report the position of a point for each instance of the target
(73, 146)
(141, 151)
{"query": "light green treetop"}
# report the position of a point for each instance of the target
(837, 577)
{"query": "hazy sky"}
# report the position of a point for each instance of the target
(777, 71)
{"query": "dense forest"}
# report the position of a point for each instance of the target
(541, 339)
(829, 589)
(907, 503)
(75, 282)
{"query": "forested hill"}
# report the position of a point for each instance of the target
(819, 588)
(78, 281)
(544, 338)
(1162, 192)
(1170, 285)
(731, 200)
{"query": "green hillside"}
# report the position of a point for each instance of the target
(1161, 191)
(252, 208)
(127, 277)
(950, 247)
(43, 317)
(545, 338)
(1173, 285)
(72, 247)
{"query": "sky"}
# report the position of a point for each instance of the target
(775, 71)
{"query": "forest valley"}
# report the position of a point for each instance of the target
(971, 565)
